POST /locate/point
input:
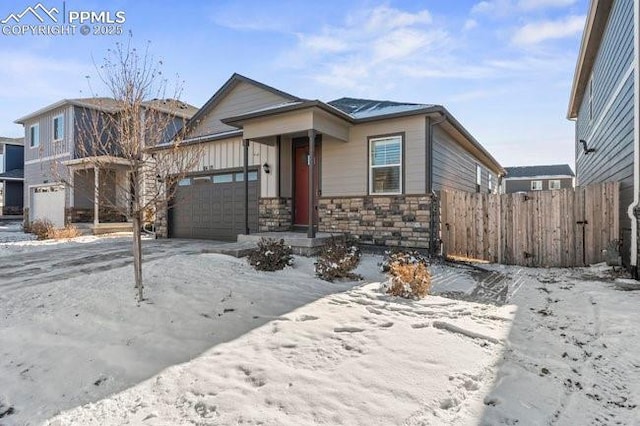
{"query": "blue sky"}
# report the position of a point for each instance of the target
(504, 68)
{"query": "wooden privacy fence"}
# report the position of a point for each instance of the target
(561, 228)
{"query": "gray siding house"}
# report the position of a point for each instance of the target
(365, 167)
(11, 176)
(537, 178)
(604, 104)
(59, 185)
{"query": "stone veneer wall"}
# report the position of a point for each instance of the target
(399, 220)
(162, 220)
(274, 214)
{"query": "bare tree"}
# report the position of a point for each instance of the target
(132, 140)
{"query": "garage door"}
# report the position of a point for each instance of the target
(47, 202)
(212, 207)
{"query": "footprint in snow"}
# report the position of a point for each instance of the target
(348, 330)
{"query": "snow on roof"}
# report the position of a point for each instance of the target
(367, 108)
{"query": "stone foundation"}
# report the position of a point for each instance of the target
(162, 220)
(398, 221)
(274, 214)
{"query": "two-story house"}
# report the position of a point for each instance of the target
(60, 184)
(537, 178)
(11, 176)
(605, 105)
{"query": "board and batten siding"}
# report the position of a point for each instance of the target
(242, 98)
(229, 154)
(454, 168)
(610, 130)
(345, 165)
(42, 164)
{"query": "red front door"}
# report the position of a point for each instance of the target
(301, 170)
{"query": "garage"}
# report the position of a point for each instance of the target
(212, 206)
(47, 202)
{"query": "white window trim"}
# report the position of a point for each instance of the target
(53, 129)
(371, 167)
(31, 141)
(536, 189)
(555, 180)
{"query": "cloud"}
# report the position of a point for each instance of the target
(543, 4)
(493, 7)
(470, 24)
(538, 32)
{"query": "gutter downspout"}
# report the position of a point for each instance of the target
(631, 211)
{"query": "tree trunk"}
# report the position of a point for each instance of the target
(137, 254)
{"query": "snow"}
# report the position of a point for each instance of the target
(220, 343)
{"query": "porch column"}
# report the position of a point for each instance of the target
(96, 195)
(245, 170)
(311, 230)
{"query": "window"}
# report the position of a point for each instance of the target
(58, 128)
(536, 185)
(34, 135)
(223, 178)
(478, 178)
(253, 175)
(184, 182)
(554, 184)
(385, 165)
(490, 183)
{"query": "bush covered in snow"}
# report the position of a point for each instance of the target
(409, 274)
(271, 255)
(337, 259)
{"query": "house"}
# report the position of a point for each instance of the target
(11, 176)
(604, 104)
(277, 162)
(60, 185)
(537, 178)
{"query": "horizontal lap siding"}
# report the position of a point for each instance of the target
(242, 98)
(47, 146)
(345, 165)
(453, 167)
(610, 131)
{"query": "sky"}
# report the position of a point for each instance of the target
(503, 68)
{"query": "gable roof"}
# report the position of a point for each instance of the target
(233, 81)
(591, 38)
(110, 105)
(536, 171)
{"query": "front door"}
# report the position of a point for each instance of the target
(301, 185)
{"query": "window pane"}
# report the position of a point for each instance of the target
(184, 182)
(385, 179)
(58, 128)
(223, 178)
(35, 135)
(253, 175)
(385, 151)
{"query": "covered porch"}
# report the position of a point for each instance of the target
(298, 130)
(100, 194)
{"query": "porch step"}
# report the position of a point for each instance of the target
(299, 242)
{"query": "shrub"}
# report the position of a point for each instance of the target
(409, 275)
(408, 257)
(337, 259)
(41, 228)
(69, 231)
(271, 255)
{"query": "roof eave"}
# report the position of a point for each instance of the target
(237, 121)
(591, 39)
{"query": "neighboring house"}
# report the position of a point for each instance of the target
(605, 106)
(60, 185)
(11, 176)
(537, 178)
(376, 165)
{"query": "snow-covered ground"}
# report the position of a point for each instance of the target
(219, 343)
